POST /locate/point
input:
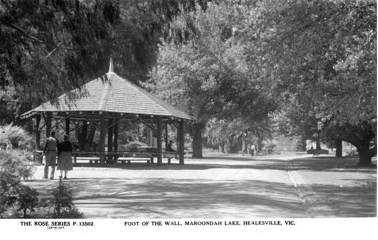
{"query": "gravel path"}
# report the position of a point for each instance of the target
(223, 186)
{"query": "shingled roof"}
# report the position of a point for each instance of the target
(116, 95)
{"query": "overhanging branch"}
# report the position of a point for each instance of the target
(23, 32)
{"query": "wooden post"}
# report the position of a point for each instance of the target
(159, 142)
(150, 137)
(102, 138)
(166, 137)
(339, 148)
(182, 141)
(38, 132)
(178, 139)
(48, 124)
(110, 139)
(115, 137)
(110, 135)
(68, 126)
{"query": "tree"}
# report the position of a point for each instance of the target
(142, 25)
(297, 118)
(60, 40)
(206, 72)
(238, 133)
(50, 47)
(324, 54)
(9, 105)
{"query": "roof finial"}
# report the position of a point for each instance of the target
(111, 68)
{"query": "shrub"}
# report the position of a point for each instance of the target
(8, 190)
(15, 137)
(27, 200)
(63, 203)
(270, 147)
(20, 201)
(15, 165)
(17, 162)
(16, 200)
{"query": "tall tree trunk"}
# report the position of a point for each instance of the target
(91, 134)
(197, 139)
(364, 153)
(339, 148)
(222, 146)
(81, 136)
(244, 143)
(84, 131)
(318, 147)
(360, 136)
(259, 144)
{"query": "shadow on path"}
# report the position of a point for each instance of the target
(189, 198)
(246, 196)
(186, 198)
(309, 163)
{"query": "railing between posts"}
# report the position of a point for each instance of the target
(114, 157)
(124, 157)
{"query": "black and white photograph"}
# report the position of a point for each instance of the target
(188, 119)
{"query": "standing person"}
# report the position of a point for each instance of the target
(253, 149)
(50, 151)
(65, 157)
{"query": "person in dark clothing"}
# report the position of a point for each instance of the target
(169, 147)
(65, 157)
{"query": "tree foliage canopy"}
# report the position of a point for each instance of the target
(322, 52)
(321, 56)
(206, 72)
(50, 46)
(318, 59)
(313, 63)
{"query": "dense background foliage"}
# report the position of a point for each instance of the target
(247, 70)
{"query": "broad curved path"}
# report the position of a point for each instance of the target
(223, 186)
